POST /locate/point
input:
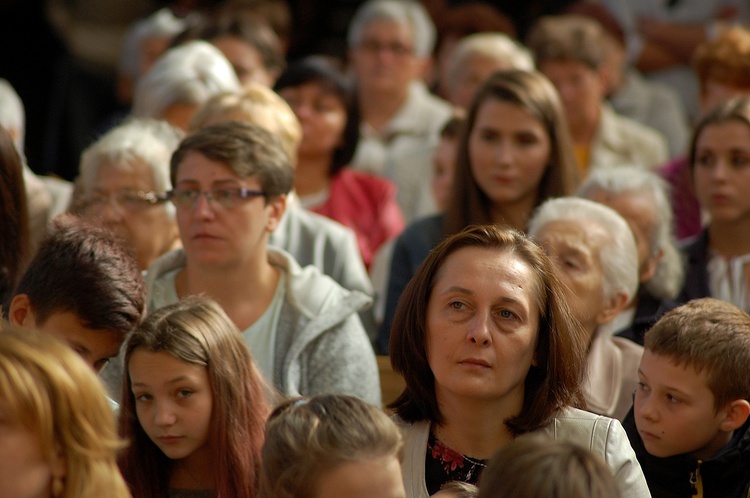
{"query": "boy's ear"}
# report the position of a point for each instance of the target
(736, 414)
(21, 313)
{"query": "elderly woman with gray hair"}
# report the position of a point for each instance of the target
(123, 180)
(641, 197)
(595, 255)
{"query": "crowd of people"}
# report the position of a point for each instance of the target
(533, 217)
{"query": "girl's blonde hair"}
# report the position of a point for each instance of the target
(51, 391)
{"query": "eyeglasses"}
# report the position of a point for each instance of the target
(129, 200)
(375, 47)
(225, 197)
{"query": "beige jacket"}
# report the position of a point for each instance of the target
(602, 435)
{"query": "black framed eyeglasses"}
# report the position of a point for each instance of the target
(226, 197)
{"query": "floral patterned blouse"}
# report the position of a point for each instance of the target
(443, 465)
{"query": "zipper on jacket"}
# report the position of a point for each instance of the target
(696, 483)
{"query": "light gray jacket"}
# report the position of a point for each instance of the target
(321, 346)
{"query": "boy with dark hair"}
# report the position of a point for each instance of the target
(83, 287)
(689, 423)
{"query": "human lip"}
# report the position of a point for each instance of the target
(169, 440)
(475, 362)
(648, 436)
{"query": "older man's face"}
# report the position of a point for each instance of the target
(575, 250)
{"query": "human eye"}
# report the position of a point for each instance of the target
(225, 196)
(184, 393)
(184, 196)
(740, 160)
(642, 386)
(142, 397)
(527, 138)
(100, 364)
(457, 305)
(705, 159)
(673, 399)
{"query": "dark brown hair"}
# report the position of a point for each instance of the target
(560, 353)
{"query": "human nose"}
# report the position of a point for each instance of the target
(503, 154)
(164, 414)
(647, 407)
(479, 330)
(202, 205)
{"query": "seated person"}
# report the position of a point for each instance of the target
(641, 198)
(58, 436)
(230, 183)
(569, 50)
(331, 446)
(718, 256)
(594, 251)
(83, 287)
(123, 179)
(311, 238)
(689, 424)
(489, 350)
(722, 66)
(535, 466)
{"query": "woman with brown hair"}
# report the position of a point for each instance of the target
(489, 351)
(514, 153)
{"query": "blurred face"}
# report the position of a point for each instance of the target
(378, 478)
(721, 173)
(640, 213)
(482, 327)
(473, 72)
(114, 198)
(322, 116)
(215, 235)
(581, 90)
(574, 248)
(674, 410)
(173, 401)
(509, 150)
(245, 59)
(443, 165)
(25, 471)
(384, 61)
(95, 346)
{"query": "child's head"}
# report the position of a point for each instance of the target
(535, 466)
(83, 287)
(694, 390)
(457, 489)
(331, 445)
(192, 394)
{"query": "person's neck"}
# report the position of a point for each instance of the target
(730, 239)
(244, 293)
(583, 131)
(378, 108)
(312, 174)
(514, 215)
(475, 427)
(194, 472)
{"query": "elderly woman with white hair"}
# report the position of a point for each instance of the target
(123, 180)
(181, 80)
(595, 254)
(641, 197)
